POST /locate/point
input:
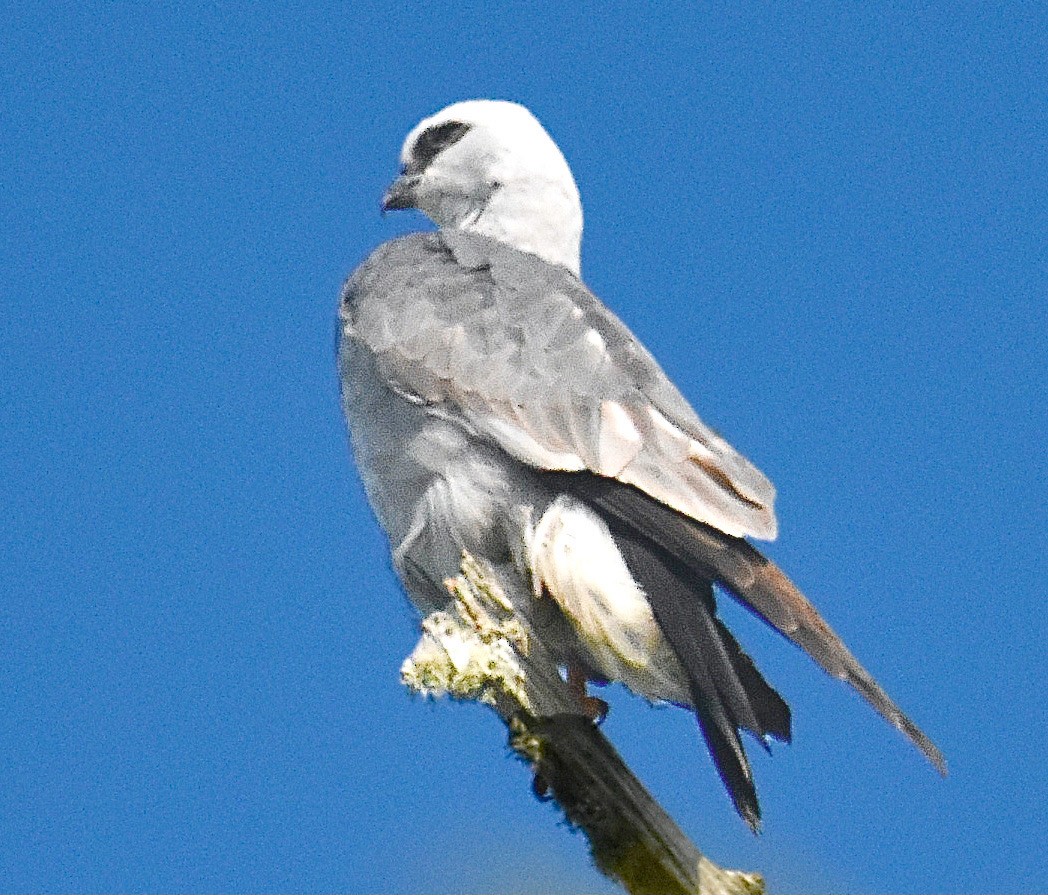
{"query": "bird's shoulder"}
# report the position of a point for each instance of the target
(484, 298)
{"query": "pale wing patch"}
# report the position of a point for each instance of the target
(672, 443)
(573, 558)
(518, 442)
(690, 477)
(595, 340)
(619, 440)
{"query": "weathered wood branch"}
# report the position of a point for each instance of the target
(487, 646)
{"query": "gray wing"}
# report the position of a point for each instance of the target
(519, 352)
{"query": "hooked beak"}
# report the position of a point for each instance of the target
(401, 193)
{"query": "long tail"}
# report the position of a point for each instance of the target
(755, 581)
(727, 691)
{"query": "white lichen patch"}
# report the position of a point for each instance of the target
(471, 650)
(452, 659)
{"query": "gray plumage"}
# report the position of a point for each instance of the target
(496, 406)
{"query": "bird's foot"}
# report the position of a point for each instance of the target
(594, 708)
(540, 786)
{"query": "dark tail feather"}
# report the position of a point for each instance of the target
(753, 580)
(773, 714)
(726, 689)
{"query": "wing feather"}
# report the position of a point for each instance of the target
(521, 353)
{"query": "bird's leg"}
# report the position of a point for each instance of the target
(540, 786)
(592, 707)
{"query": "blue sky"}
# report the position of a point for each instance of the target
(827, 221)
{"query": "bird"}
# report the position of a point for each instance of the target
(495, 405)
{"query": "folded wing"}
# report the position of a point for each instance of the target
(523, 354)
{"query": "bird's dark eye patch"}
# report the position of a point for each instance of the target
(434, 140)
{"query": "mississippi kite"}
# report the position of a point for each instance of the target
(497, 406)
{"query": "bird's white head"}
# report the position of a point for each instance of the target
(489, 167)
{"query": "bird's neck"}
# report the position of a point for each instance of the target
(544, 220)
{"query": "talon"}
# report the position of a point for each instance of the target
(594, 708)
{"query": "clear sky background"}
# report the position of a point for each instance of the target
(828, 221)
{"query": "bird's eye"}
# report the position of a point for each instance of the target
(434, 140)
